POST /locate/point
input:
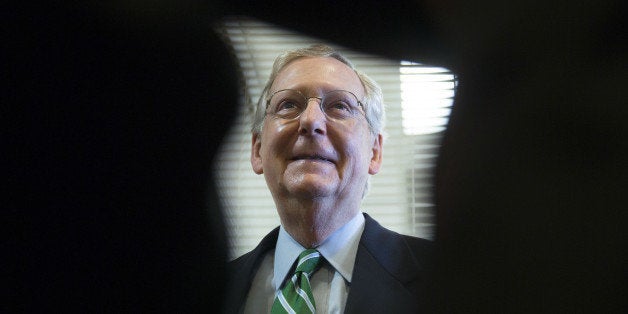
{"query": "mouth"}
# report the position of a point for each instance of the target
(313, 158)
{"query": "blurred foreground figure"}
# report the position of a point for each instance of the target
(116, 111)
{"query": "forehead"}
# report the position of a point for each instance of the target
(313, 75)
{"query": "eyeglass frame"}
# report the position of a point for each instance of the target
(307, 99)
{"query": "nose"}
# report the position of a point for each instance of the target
(313, 120)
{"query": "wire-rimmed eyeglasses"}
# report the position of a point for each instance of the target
(288, 104)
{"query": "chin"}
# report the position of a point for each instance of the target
(311, 188)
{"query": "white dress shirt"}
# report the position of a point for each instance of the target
(330, 284)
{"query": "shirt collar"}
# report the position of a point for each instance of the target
(339, 249)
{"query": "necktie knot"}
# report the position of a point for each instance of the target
(308, 260)
(296, 295)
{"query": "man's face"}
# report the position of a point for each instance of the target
(313, 156)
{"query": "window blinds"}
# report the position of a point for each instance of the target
(417, 99)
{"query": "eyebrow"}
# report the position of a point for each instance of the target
(318, 91)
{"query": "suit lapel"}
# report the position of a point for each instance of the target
(242, 271)
(385, 273)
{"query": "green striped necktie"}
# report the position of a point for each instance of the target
(296, 295)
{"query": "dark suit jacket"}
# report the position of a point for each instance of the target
(390, 274)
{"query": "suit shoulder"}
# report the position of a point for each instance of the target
(418, 243)
(388, 246)
(241, 260)
(423, 249)
(249, 258)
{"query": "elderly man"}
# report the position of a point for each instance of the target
(317, 137)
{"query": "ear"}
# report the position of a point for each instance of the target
(376, 158)
(256, 159)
